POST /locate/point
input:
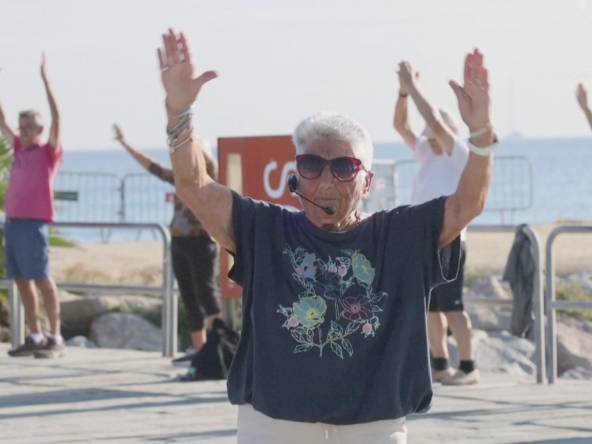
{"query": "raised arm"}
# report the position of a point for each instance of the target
(582, 96)
(143, 159)
(401, 120)
(55, 128)
(207, 199)
(429, 112)
(5, 129)
(473, 102)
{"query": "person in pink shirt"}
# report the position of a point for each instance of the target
(28, 208)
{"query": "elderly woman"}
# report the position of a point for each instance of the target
(333, 345)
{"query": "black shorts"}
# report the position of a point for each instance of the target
(448, 297)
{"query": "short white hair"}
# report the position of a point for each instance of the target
(447, 117)
(334, 126)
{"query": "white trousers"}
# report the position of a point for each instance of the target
(256, 428)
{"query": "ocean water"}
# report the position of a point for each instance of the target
(556, 186)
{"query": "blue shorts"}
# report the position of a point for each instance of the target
(27, 249)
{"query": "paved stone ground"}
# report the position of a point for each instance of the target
(130, 396)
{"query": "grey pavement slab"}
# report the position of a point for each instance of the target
(105, 395)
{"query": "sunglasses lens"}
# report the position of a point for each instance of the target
(310, 167)
(344, 168)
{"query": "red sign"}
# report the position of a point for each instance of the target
(256, 167)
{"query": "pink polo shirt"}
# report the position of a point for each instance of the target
(30, 186)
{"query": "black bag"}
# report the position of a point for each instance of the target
(214, 359)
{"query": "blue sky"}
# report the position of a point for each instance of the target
(280, 61)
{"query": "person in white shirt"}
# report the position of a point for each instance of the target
(443, 156)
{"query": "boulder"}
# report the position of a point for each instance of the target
(89, 307)
(499, 352)
(486, 286)
(80, 341)
(489, 318)
(574, 343)
(577, 373)
(126, 330)
(584, 280)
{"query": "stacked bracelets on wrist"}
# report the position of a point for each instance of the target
(181, 133)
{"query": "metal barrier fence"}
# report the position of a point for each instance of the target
(552, 303)
(382, 195)
(135, 198)
(512, 188)
(144, 197)
(538, 293)
(169, 300)
(88, 197)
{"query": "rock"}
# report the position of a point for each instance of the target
(80, 341)
(487, 286)
(578, 373)
(584, 280)
(489, 318)
(89, 307)
(574, 343)
(125, 330)
(499, 352)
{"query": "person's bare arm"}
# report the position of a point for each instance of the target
(429, 112)
(143, 159)
(582, 96)
(210, 201)
(469, 199)
(5, 129)
(401, 119)
(55, 128)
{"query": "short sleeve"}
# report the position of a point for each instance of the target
(55, 155)
(163, 173)
(421, 147)
(244, 215)
(440, 265)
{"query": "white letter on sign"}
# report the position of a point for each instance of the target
(279, 191)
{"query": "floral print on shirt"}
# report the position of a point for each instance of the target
(345, 282)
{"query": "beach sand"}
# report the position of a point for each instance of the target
(141, 262)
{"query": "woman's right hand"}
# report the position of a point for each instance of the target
(118, 133)
(582, 96)
(178, 73)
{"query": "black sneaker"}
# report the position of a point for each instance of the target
(51, 350)
(184, 361)
(28, 348)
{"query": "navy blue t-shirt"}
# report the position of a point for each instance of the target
(334, 324)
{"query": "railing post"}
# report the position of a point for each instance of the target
(17, 316)
(538, 305)
(169, 320)
(550, 299)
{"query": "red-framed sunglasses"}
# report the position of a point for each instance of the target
(344, 169)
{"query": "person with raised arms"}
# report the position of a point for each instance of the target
(333, 345)
(442, 156)
(193, 252)
(29, 208)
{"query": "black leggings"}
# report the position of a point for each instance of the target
(193, 264)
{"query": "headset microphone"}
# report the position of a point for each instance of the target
(293, 187)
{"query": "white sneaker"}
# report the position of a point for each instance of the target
(441, 375)
(462, 378)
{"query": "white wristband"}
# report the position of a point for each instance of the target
(481, 131)
(483, 150)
